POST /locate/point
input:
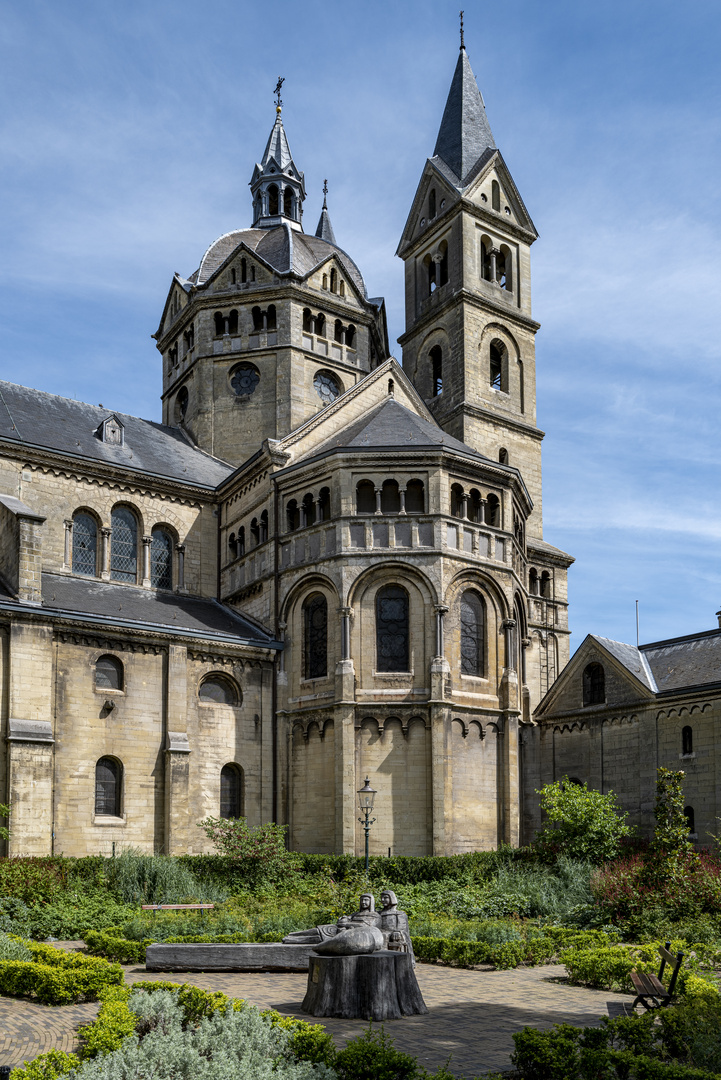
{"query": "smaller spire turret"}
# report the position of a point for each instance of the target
(277, 186)
(325, 229)
(465, 132)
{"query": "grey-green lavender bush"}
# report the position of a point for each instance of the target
(10, 949)
(158, 879)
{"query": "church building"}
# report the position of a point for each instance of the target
(322, 565)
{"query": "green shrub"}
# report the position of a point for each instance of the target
(609, 967)
(372, 1056)
(115, 948)
(115, 1022)
(12, 948)
(261, 849)
(33, 879)
(158, 879)
(582, 823)
(55, 977)
(14, 916)
(47, 1066)
(68, 915)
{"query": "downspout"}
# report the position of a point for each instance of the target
(276, 661)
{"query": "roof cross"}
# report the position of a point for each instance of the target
(325, 194)
(278, 85)
(462, 44)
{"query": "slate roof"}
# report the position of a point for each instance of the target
(286, 250)
(32, 417)
(391, 424)
(125, 605)
(325, 229)
(674, 664)
(277, 147)
(542, 545)
(465, 132)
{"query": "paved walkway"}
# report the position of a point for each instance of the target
(472, 1014)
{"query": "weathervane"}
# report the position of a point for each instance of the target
(462, 45)
(278, 99)
(325, 194)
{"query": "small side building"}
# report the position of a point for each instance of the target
(617, 713)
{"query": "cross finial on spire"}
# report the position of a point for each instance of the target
(462, 43)
(278, 99)
(325, 194)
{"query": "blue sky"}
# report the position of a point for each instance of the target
(128, 133)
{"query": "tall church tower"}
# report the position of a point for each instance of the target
(469, 342)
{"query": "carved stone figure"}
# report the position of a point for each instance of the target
(366, 916)
(394, 925)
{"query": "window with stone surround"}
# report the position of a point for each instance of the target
(594, 684)
(123, 545)
(108, 673)
(108, 787)
(315, 636)
(85, 544)
(161, 559)
(231, 791)
(472, 633)
(218, 689)
(392, 629)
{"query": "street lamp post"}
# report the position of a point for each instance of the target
(366, 795)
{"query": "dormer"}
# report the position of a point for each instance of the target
(112, 431)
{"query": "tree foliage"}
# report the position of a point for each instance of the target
(581, 823)
(262, 848)
(671, 836)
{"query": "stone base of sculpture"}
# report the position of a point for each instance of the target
(377, 985)
(273, 956)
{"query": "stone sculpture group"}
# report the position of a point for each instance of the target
(365, 931)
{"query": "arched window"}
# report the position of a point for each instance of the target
(324, 504)
(475, 506)
(390, 497)
(243, 271)
(244, 379)
(499, 366)
(392, 652)
(293, 515)
(325, 281)
(308, 510)
(546, 584)
(272, 200)
(320, 324)
(123, 545)
(342, 287)
(338, 334)
(307, 321)
(231, 792)
(241, 540)
(503, 456)
(233, 545)
(436, 355)
(219, 324)
(108, 787)
(255, 532)
(315, 636)
(415, 497)
(485, 268)
(333, 281)
(442, 272)
(85, 544)
(264, 526)
(233, 323)
(690, 819)
(687, 740)
(257, 318)
(288, 202)
(181, 404)
(365, 497)
(495, 195)
(161, 559)
(493, 511)
(350, 336)
(431, 274)
(533, 582)
(594, 684)
(108, 673)
(457, 500)
(217, 689)
(505, 268)
(472, 634)
(271, 319)
(432, 203)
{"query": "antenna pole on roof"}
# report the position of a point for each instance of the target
(637, 624)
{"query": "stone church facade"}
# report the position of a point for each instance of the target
(322, 565)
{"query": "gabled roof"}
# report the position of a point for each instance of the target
(686, 661)
(33, 418)
(629, 657)
(465, 132)
(391, 424)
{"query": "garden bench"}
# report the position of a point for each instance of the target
(649, 987)
(176, 907)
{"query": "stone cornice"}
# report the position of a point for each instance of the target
(465, 296)
(496, 417)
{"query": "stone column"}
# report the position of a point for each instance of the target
(180, 549)
(378, 501)
(67, 552)
(494, 253)
(402, 493)
(482, 511)
(147, 541)
(345, 614)
(105, 534)
(441, 611)
(464, 505)
(345, 741)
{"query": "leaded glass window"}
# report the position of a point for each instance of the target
(161, 559)
(218, 690)
(85, 545)
(231, 792)
(108, 786)
(123, 545)
(244, 378)
(108, 673)
(327, 386)
(316, 637)
(472, 634)
(594, 684)
(392, 629)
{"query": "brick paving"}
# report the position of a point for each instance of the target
(472, 1014)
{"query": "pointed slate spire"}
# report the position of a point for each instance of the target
(277, 185)
(464, 132)
(325, 229)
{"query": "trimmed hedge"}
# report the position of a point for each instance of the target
(609, 967)
(55, 977)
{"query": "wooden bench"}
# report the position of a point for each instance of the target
(650, 991)
(176, 907)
